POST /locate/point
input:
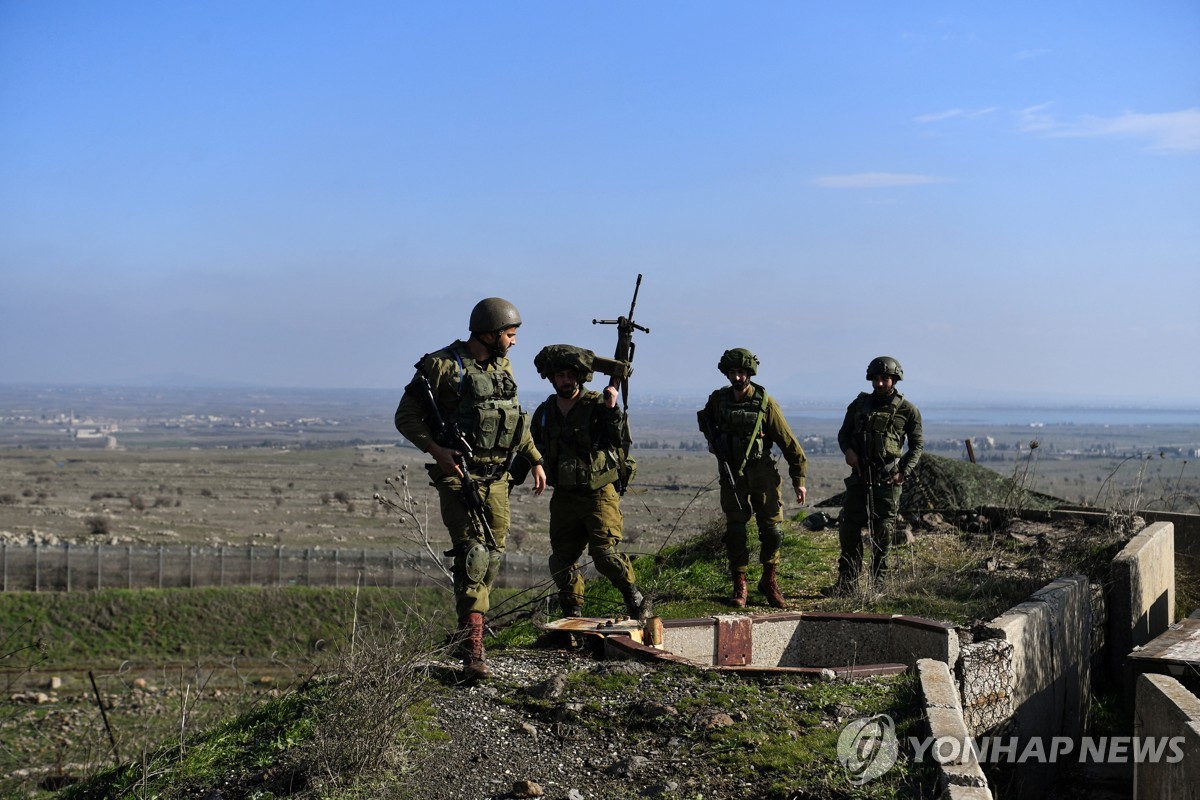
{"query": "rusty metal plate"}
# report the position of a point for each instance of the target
(735, 639)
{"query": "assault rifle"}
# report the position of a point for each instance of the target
(724, 471)
(619, 376)
(448, 435)
(870, 474)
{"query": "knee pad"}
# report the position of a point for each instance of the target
(475, 562)
(771, 537)
(493, 567)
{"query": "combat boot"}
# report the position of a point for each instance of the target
(739, 589)
(474, 660)
(634, 601)
(769, 588)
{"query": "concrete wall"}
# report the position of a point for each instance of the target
(810, 640)
(1051, 638)
(959, 773)
(1141, 599)
(1166, 709)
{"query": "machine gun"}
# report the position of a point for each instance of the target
(448, 435)
(724, 471)
(868, 470)
(619, 377)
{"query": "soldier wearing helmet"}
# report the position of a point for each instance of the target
(472, 385)
(882, 441)
(579, 433)
(742, 423)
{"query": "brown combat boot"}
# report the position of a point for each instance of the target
(769, 588)
(739, 590)
(474, 661)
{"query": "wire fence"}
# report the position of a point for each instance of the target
(67, 567)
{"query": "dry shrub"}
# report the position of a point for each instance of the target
(366, 720)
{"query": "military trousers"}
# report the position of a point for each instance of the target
(759, 492)
(881, 515)
(476, 561)
(591, 520)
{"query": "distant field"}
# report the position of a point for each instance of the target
(300, 468)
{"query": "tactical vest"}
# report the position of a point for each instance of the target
(569, 452)
(884, 440)
(487, 413)
(739, 424)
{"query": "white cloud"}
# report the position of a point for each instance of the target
(1025, 55)
(874, 180)
(1171, 131)
(938, 116)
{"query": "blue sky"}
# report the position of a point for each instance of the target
(1006, 197)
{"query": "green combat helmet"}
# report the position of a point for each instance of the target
(885, 365)
(738, 358)
(494, 314)
(554, 357)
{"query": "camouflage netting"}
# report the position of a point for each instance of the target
(946, 484)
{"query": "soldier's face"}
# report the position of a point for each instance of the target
(739, 378)
(500, 342)
(566, 384)
(884, 384)
(506, 338)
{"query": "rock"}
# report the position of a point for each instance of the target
(529, 729)
(574, 794)
(717, 719)
(524, 789)
(549, 689)
(627, 767)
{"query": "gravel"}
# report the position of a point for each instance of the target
(520, 734)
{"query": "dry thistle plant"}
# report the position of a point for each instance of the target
(414, 516)
(365, 723)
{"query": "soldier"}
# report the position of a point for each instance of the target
(742, 422)
(872, 435)
(579, 432)
(471, 391)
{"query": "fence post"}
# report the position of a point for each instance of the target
(37, 567)
(222, 561)
(5, 548)
(98, 561)
(129, 566)
(160, 566)
(251, 565)
(307, 566)
(279, 563)
(191, 567)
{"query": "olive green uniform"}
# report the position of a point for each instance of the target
(743, 433)
(876, 430)
(581, 455)
(481, 398)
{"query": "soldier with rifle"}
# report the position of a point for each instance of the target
(872, 437)
(461, 407)
(580, 434)
(742, 423)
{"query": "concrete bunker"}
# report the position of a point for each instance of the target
(817, 644)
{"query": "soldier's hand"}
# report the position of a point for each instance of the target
(444, 457)
(896, 479)
(610, 396)
(801, 494)
(852, 458)
(539, 479)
